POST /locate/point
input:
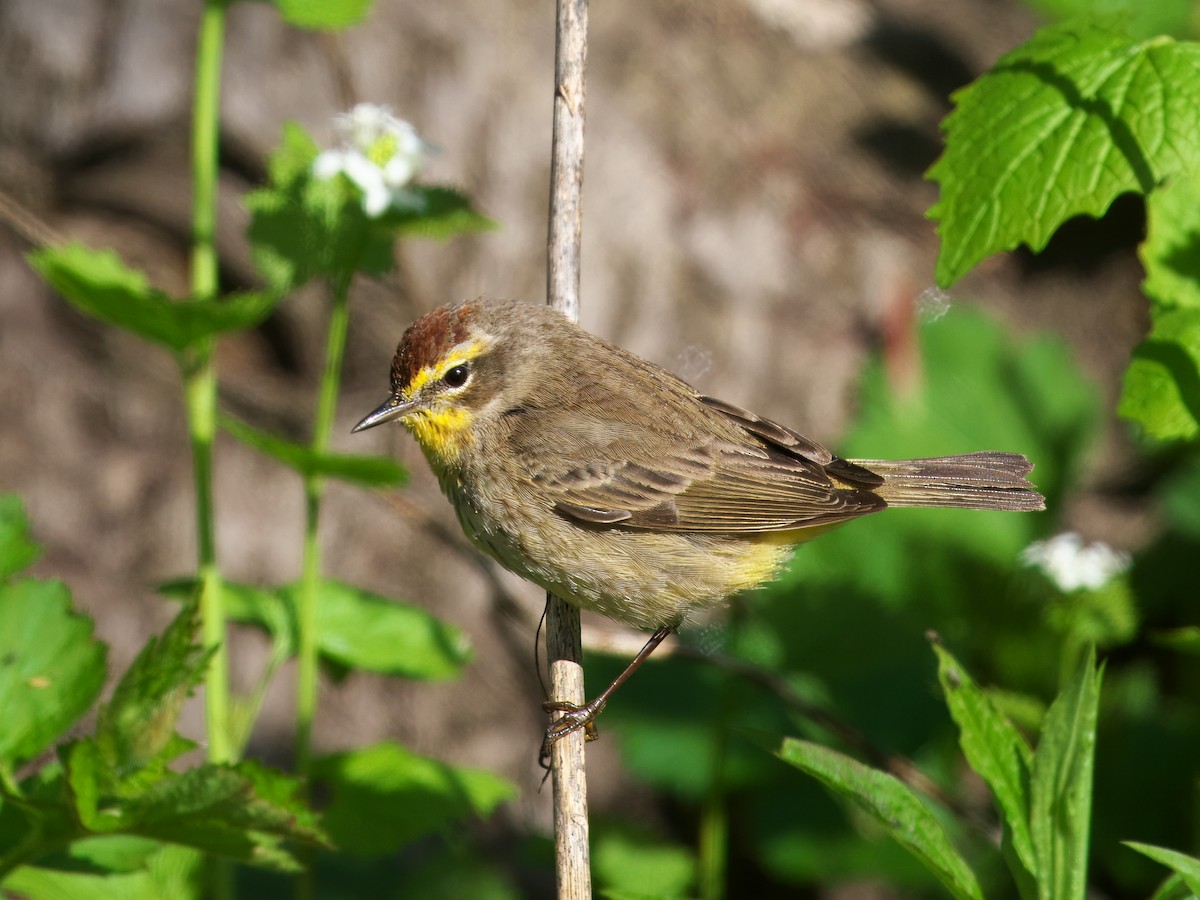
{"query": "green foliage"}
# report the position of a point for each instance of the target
(893, 804)
(1140, 20)
(303, 227)
(1043, 797)
(365, 471)
(111, 799)
(97, 283)
(384, 796)
(1162, 387)
(51, 668)
(631, 863)
(1187, 868)
(323, 15)
(1059, 127)
(17, 551)
(355, 628)
(1000, 755)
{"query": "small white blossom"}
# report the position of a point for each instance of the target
(380, 153)
(1071, 564)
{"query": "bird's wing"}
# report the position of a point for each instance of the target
(754, 477)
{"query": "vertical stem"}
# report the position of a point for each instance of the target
(199, 371)
(314, 489)
(563, 644)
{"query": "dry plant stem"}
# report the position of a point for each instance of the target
(563, 646)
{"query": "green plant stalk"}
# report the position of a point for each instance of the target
(314, 489)
(199, 372)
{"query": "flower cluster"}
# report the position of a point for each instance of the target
(380, 154)
(1071, 564)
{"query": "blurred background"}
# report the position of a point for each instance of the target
(754, 220)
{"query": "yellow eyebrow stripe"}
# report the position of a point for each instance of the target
(462, 353)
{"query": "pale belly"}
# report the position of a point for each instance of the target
(642, 578)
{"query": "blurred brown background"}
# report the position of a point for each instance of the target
(754, 215)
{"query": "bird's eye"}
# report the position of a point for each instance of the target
(457, 376)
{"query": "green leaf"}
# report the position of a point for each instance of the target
(51, 668)
(1170, 253)
(1162, 383)
(136, 728)
(631, 863)
(97, 283)
(173, 873)
(368, 471)
(323, 15)
(355, 628)
(1186, 867)
(1058, 128)
(1139, 19)
(902, 813)
(1185, 639)
(110, 853)
(1061, 786)
(244, 603)
(16, 549)
(366, 631)
(439, 213)
(1174, 888)
(385, 796)
(244, 812)
(302, 228)
(996, 751)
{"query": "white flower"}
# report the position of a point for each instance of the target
(380, 153)
(1071, 564)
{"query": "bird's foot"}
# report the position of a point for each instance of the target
(572, 719)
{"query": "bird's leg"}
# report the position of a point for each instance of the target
(575, 717)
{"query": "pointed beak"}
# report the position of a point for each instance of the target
(392, 408)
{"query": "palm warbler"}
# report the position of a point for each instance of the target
(613, 484)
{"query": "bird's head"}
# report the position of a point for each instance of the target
(453, 373)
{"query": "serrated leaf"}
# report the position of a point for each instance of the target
(226, 811)
(1061, 786)
(994, 749)
(368, 471)
(366, 631)
(97, 283)
(893, 804)
(323, 15)
(137, 725)
(1186, 867)
(51, 668)
(385, 796)
(1162, 383)
(1058, 128)
(16, 549)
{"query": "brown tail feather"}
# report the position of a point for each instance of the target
(987, 480)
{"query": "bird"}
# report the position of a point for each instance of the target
(617, 486)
